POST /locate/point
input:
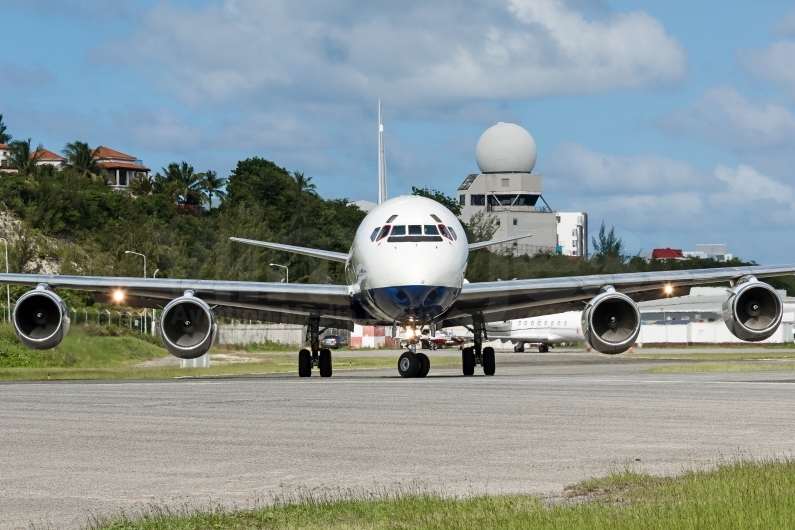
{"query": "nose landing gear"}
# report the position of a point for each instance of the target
(411, 363)
(320, 358)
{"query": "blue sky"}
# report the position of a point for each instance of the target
(672, 121)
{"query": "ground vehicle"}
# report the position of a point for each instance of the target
(334, 341)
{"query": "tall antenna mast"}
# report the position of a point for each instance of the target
(382, 193)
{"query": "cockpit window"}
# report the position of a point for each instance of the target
(431, 230)
(374, 234)
(388, 221)
(415, 230)
(399, 230)
(436, 218)
(444, 232)
(452, 232)
(384, 232)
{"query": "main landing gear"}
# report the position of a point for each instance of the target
(478, 355)
(316, 357)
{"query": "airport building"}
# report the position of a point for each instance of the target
(507, 190)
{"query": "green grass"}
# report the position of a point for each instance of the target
(719, 356)
(741, 495)
(731, 366)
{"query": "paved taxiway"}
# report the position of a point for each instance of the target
(68, 450)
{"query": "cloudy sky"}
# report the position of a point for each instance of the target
(672, 121)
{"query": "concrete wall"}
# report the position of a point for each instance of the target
(260, 333)
(702, 333)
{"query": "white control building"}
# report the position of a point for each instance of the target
(508, 190)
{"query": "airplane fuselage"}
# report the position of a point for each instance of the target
(547, 329)
(407, 261)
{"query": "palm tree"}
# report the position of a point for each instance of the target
(211, 184)
(22, 158)
(303, 188)
(4, 136)
(185, 182)
(142, 184)
(83, 159)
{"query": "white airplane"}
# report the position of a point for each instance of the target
(405, 267)
(544, 330)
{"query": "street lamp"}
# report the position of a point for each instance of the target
(138, 254)
(283, 267)
(8, 287)
(155, 274)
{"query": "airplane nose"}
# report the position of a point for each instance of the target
(421, 302)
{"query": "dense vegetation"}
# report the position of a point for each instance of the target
(73, 222)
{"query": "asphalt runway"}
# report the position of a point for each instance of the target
(72, 450)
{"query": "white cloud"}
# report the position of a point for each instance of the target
(724, 117)
(774, 64)
(786, 26)
(413, 53)
(647, 194)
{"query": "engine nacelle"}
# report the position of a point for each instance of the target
(188, 327)
(41, 319)
(753, 310)
(611, 322)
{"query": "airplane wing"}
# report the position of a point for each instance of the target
(508, 300)
(313, 252)
(484, 244)
(289, 303)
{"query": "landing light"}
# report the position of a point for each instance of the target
(409, 333)
(669, 289)
(118, 295)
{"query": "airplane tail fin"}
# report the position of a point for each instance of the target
(382, 192)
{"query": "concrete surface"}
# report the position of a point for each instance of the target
(72, 450)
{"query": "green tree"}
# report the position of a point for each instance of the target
(445, 200)
(83, 159)
(608, 244)
(212, 185)
(5, 138)
(186, 182)
(481, 227)
(22, 158)
(142, 184)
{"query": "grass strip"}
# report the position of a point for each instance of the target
(740, 495)
(734, 366)
(718, 356)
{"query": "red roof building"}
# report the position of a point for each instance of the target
(45, 156)
(121, 168)
(667, 253)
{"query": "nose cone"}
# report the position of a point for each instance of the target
(417, 302)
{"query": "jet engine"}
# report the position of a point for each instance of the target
(188, 327)
(753, 310)
(41, 319)
(611, 322)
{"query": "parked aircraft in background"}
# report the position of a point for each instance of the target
(545, 330)
(405, 267)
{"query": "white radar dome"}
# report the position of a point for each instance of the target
(506, 148)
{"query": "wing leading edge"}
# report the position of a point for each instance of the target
(508, 300)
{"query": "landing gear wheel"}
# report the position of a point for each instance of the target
(543, 348)
(408, 364)
(468, 361)
(425, 365)
(519, 348)
(488, 361)
(304, 363)
(325, 363)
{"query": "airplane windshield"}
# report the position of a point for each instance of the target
(374, 234)
(415, 230)
(431, 230)
(444, 232)
(452, 233)
(399, 230)
(384, 232)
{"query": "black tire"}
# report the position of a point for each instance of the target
(519, 348)
(304, 363)
(408, 364)
(488, 361)
(425, 365)
(468, 361)
(543, 348)
(325, 363)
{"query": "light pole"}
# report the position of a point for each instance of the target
(138, 254)
(155, 274)
(154, 311)
(287, 280)
(8, 287)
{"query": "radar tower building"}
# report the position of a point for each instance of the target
(507, 190)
